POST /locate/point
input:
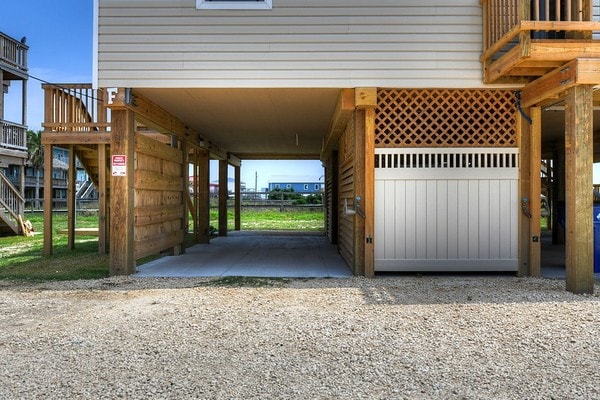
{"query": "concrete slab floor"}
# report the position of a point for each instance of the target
(272, 254)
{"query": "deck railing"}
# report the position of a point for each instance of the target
(12, 204)
(504, 20)
(13, 53)
(13, 136)
(74, 108)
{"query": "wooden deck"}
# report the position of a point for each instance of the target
(527, 39)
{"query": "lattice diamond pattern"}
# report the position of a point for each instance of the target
(445, 118)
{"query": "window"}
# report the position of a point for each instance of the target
(317, 186)
(277, 186)
(234, 4)
(288, 186)
(306, 186)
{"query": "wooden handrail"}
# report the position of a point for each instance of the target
(505, 19)
(74, 108)
(10, 199)
(13, 53)
(13, 136)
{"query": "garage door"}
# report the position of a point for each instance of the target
(446, 209)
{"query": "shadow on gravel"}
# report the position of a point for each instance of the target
(385, 289)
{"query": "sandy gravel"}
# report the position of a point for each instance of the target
(428, 337)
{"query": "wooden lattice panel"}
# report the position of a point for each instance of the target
(445, 118)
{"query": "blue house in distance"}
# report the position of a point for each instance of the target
(299, 184)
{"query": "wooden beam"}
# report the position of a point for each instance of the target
(223, 195)
(552, 85)
(369, 200)
(579, 199)
(238, 198)
(524, 138)
(342, 114)
(102, 201)
(365, 97)
(71, 199)
(75, 138)
(359, 190)
(154, 116)
(185, 188)
(122, 251)
(234, 160)
(277, 156)
(535, 192)
(48, 196)
(203, 197)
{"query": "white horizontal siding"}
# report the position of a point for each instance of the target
(300, 43)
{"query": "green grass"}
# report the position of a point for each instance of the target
(21, 257)
(273, 220)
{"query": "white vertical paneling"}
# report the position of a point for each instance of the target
(442, 232)
(400, 222)
(381, 204)
(463, 219)
(484, 197)
(421, 219)
(411, 220)
(390, 227)
(497, 198)
(506, 246)
(431, 225)
(453, 227)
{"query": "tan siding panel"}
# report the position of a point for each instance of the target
(161, 43)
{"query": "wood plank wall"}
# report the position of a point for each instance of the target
(346, 192)
(159, 202)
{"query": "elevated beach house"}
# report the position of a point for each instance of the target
(434, 121)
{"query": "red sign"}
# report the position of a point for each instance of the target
(119, 165)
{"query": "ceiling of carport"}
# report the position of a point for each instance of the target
(254, 123)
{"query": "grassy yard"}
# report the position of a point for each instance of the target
(21, 257)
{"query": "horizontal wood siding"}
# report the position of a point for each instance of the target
(346, 193)
(299, 43)
(159, 202)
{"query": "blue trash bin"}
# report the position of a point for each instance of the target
(560, 211)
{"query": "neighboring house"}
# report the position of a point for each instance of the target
(426, 105)
(298, 184)
(13, 142)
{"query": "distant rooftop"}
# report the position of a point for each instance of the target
(294, 179)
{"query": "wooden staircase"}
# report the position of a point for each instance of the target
(88, 157)
(12, 205)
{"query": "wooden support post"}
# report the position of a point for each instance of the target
(359, 191)
(102, 217)
(535, 191)
(71, 199)
(122, 259)
(204, 197)
(238, 198)
(48, 200)
(223, 194)
(524, 137)
(334, 210)
(196, 190)
(558, 194)
(579, 198)
(368, 203)
(179, 249)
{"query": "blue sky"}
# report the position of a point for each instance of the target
(59, 36)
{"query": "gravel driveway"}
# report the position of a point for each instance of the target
(407, 337)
